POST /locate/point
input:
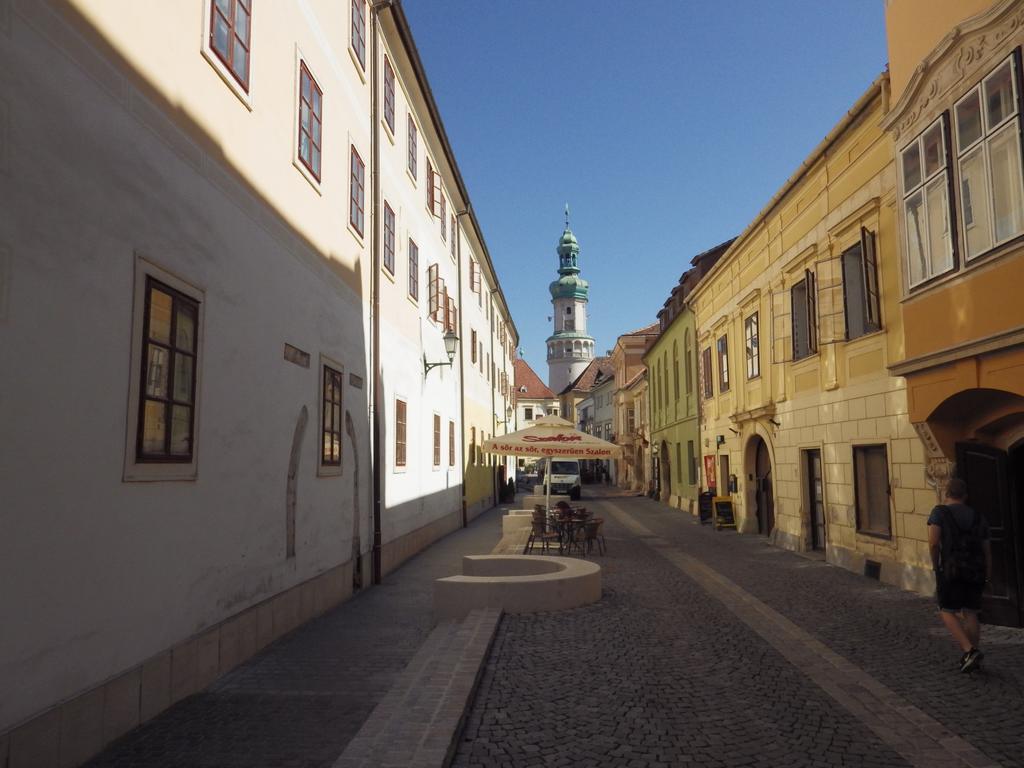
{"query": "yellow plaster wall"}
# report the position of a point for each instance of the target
(842, 396)
(914, 27)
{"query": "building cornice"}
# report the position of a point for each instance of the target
(993, 343)
(958, 57)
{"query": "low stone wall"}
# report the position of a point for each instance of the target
(517, 584)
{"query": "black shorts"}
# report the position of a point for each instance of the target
(958, 595)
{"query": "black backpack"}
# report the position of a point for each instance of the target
(963, 553)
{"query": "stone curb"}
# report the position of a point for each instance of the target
(419, 722)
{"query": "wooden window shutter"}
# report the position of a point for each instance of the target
(869, 265)
(432, 291)
(435, 194)
(812, 311)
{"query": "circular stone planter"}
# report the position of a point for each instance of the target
(517, 584)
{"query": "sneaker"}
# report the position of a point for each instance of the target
(972, 659)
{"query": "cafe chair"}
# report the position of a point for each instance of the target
(592, 535)
(539, 533)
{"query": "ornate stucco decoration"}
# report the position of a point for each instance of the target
(960, 57)
(938, 469)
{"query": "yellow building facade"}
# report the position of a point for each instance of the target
(802, 424)
(955, 120)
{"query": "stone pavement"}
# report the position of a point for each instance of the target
(301, 701)
(715, 649)
(708, 648)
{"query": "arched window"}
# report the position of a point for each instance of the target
(675, 369)
(688, 361)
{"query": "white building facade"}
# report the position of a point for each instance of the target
(240, 238)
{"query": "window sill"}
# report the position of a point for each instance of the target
(155, 472)
(307, 174)
(388, 131)
(243, 95)
(360, 68)
(411, 176)
(387, 272)
(355, 233)
(328, 471)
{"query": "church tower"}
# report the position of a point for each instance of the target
(570, 349)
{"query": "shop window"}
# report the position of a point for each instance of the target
(871, 490)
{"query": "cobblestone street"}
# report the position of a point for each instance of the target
(711, 648)
(708, 648)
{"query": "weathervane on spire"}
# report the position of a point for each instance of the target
(566, 215)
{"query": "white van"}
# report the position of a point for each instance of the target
(564, 477)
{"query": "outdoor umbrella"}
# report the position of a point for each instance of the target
(551, 437)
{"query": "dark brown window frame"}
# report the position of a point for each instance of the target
(389, 94)
(455, 236)
(332, 383)
(389, 238)
(357, 191)
(414, 269)
(707, 373)
(722, 346)
(401, 420)
(228, 60)
(358, 36)
(857, 491)
(173, 352)
(316, 115)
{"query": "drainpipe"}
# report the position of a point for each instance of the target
(462, 359)
(376, 389)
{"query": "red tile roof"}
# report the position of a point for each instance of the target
(586, 380)
(648, 330)
(525, 377)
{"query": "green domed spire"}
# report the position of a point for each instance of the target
(569, 285)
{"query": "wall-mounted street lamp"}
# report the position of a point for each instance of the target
(451, 343)
(508, 416)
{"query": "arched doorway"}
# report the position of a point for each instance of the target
(665, 471)
(984, 430)
(760, 467)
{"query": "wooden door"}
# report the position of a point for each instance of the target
(765, 499)
(984, 469)
(816, 499)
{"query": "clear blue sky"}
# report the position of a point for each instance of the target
(666, 125)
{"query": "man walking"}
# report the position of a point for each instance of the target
(958, 539)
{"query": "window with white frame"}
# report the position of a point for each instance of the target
(860, 287)
(751, 347)
(455, 236)
(989, 161)
(400, 434)
(926, 205)
(437, 440)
